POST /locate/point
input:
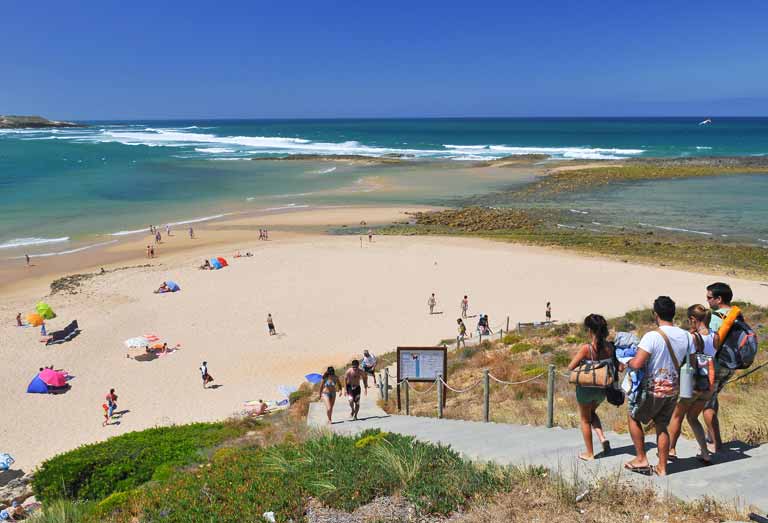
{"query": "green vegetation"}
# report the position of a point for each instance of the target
(93, 472)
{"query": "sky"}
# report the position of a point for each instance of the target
(267, 59)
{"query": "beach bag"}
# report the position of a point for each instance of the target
(739, 348)
(594, 373)
(614, 394)
(703, 366)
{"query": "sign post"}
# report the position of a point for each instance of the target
(422, 364)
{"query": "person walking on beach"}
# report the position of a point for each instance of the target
(590, 398)
(369, 364)
(719, 296)
(43, 332)
(111, 403)
(659, 353)
(27, 258)
(191, 233)
(271, 325)
(152, 252)
(352, 379)
(464, 307)
(167, 230)
(149, 252)
(370, 235)
(19, 323)
(462, 333)
(431, 302)
(548, 312)
(329, 385)
(207, 378)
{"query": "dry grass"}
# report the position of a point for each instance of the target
(742, 414)
(538, 497)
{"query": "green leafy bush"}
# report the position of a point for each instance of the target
(561, 358)
(511, 339)
(64, 511)
(575, 338)
(337, 470)
(93, 472)
(517, 348)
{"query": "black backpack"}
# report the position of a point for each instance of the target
(739, 348)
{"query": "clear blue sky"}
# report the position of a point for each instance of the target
(238, 59)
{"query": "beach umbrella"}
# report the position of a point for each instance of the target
(53, 378)
(222, 261)
(37, 386)
(287, 390)
(44, 310)
(34, 319)
(6, 460)
(137, 342)
(215, 263)
(173, 286)
(151, 337)
(314, 378)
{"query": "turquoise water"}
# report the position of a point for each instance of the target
(68, 188)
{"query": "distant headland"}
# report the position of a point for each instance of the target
(34, 122)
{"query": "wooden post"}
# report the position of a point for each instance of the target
(507, 323)
(519, 329)
(399, 406)
(439, 384)
(501, 334)
(480, 338)
(486, 396)
(386, 385)
(407, 398)
(551, 397)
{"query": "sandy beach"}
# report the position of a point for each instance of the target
(330, 296)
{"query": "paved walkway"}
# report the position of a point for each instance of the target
(739, 473)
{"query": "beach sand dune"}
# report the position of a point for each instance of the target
(330, 298)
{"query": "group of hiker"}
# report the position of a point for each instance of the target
(672, 375)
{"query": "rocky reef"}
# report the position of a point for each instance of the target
(349, 158)
(32, 122)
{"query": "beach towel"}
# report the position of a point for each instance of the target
(65, 334)
(137, 342)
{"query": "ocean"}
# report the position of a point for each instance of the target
(64, 190)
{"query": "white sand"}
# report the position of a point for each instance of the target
(330, 298)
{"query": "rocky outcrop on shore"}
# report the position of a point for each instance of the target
(475, 219)
(704, 161)
(32, 122)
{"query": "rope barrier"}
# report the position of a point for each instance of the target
(497, 380)
(459, 391)
(420, 391)
(744, 375)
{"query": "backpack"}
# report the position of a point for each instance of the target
(739, 348)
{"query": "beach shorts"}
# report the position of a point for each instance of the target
(698, 396)
(368, 370)
(586, 395)
(722, 375)
(354, 393)
(658, 410)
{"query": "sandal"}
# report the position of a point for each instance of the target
(644, 469)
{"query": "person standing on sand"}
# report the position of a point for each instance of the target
(352, 379)
(109, 407)
(548, 312)
(431, 302)
(27, 258)
(271, 325)
(43, 332)
(207, 378)
(462, 333)
(329, 384)
(167, 230)
(464, 306)
(370, 235)
(191, 234)
(151, 252)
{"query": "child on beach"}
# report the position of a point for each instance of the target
(19, 323)
(109, 407)
(464, 306)
(207, 378)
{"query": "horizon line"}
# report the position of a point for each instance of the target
(326, 118)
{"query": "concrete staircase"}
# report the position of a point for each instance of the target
(738, 474)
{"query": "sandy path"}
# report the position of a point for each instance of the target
(330, 298)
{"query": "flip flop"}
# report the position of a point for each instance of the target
(646, 470)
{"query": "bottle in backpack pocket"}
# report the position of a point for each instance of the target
(687, 377)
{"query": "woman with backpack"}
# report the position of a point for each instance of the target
(589, 398)
(702, 361)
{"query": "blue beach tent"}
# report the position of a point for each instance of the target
(172, 286)
(215, 263)
(37, 386)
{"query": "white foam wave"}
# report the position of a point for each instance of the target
(198, 220)
(326, 171)
(126, 233)
(25, 242)
(576, 211)
(675, 229)
(287, 207)
(703, 148)
(214, 150)
(70, 251)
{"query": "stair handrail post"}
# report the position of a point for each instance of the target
(486, 396)
(407, 397)
(386, 385)
(551, 397)
(439, 385)
(507, 324)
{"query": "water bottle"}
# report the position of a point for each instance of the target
(687, 373)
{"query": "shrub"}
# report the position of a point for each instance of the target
(511, 339)
(93, 472)
(64, 511)
(533, 369)
(299, 395)
(561, 358)
(575, 338)
(517, 348)
(544, 349)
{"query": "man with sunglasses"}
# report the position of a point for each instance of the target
(719, 296)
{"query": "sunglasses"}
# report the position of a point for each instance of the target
(710, 297)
